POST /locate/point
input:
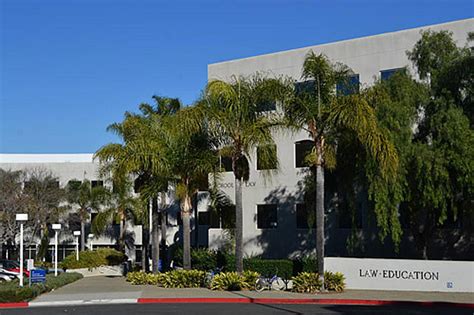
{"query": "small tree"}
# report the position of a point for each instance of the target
(87, 199)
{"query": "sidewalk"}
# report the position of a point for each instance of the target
(115, 290)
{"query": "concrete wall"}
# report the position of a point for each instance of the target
(402, 274)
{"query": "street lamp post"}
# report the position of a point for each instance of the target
(91, 246)
(22, 218)
(76, 234)
(56, 228)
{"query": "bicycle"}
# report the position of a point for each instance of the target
(273, 283)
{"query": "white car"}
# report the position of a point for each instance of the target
(7, 276)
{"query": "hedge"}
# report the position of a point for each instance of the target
(11, 292)
(205, 259)
(93, 259)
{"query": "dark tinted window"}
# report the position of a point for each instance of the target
(305, 87)
(226, 164)
(267, 216)
(348, 86)
(304, 218)
(386, 74)
(74, 184)
(302, 148)
(96, 183)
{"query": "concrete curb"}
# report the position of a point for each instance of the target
(238, 300)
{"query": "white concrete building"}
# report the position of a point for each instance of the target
(275, 222)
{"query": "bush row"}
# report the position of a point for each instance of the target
(309, 282)
(93, 259)
(205, 259)
(11, 292)
(304, 282)
(195, 279)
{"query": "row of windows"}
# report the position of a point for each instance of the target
(267, 217)
(348, 86)
(302, 149)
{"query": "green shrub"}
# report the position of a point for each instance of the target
(201, 258)
(334, 281)
(139, 277)
(250, 277)
(93, 259)
(183, 279)
(305, 264)
(11, 292)
(269, 267)
(230, 281)
(306, 282)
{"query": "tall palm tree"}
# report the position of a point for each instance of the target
(86, 198)
(235, 119)
(325, 116)
(189, 155)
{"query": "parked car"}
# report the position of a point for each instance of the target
(6, 275)
(13, 266)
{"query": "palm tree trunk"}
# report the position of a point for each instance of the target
(239, 254)
(186, 211)
(320, 222)
(83, 236)
(163, 226)
(122, 234)
(155, 239)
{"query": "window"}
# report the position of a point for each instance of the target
(350, 218)
(227, 214)
(179, 219)
(96, 183)
(348, 86)
(303, 148)
(266, 106)
(304, 218)
(267, 216)
(305, 87)
(74, 184)
(267, 157)
(386, 74)
(209, 218)
(225, 163)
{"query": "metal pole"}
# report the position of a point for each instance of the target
(21, 254)
(77, 247)
(56, 253)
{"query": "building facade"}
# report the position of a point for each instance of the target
(275, 217)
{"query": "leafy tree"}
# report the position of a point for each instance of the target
(87, 199)
(234, 118)
(440, 170)
(329, 119)
(44, 199)
(12, 201)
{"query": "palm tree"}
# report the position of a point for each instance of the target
(235, 119)
(188, 154)
(87, 198)
(121, 207)
(325, 116)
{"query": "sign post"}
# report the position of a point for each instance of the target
(22, 218)
(76, 234)
(56, 228)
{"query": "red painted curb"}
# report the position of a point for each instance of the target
(14, 305)
(193, 300)
(303, 301)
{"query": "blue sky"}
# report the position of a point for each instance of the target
(70, 68)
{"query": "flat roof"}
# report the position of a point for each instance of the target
(47, 158)
(342, 41)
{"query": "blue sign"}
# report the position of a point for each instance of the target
(37, 276)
